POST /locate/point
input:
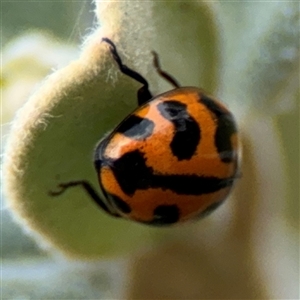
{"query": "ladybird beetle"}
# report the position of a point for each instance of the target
(174, 158)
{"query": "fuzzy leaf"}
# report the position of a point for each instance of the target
(54, 134)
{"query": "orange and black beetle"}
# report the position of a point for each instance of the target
(173, 159)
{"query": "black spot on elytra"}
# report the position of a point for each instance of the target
(133, 174)
(136, 127)
(226, 127)
(165, 215)
(187, 131)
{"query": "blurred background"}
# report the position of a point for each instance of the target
(39, 37)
